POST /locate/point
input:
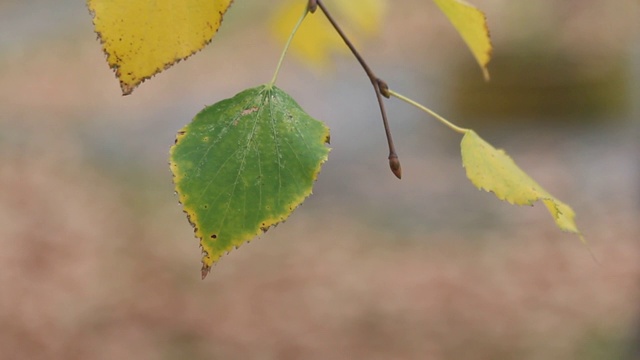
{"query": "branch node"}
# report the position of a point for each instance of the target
(313, 5)
(383, 87)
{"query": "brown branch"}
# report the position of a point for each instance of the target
(379, 86)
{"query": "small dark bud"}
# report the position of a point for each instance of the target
(394, 164)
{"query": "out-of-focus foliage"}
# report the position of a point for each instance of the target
(472, 26)
(316, 41)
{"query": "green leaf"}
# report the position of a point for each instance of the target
(493, 170)
(472, 26)
(243, 165)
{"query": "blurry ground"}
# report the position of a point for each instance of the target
(98, 261)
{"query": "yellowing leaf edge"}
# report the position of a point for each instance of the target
(481, 177)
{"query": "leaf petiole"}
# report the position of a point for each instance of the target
(288, 44)
(428, 111)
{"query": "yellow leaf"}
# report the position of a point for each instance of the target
(472, 26)
(316, 40)
(493, 170)
(141, 37)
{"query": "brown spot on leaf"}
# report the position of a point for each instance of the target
(249, 110)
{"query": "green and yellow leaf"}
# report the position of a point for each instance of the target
(243, 165)
(316, 41)
(471, 23)
(493, 170)
(142, 38)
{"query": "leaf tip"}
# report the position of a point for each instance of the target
(205, 271)
(485, 73)
(207, 261)
(127, 89)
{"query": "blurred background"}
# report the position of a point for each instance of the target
(97, 260)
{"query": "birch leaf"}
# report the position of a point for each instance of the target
(316, 40)
(142, 38)
(471, 24)
(243, 165)
(493, 170)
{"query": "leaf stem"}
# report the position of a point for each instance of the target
(378, 85)
(288, 44)
(428, 111)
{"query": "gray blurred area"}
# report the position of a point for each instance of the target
(97, 260)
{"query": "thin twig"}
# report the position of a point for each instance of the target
(378, 85)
